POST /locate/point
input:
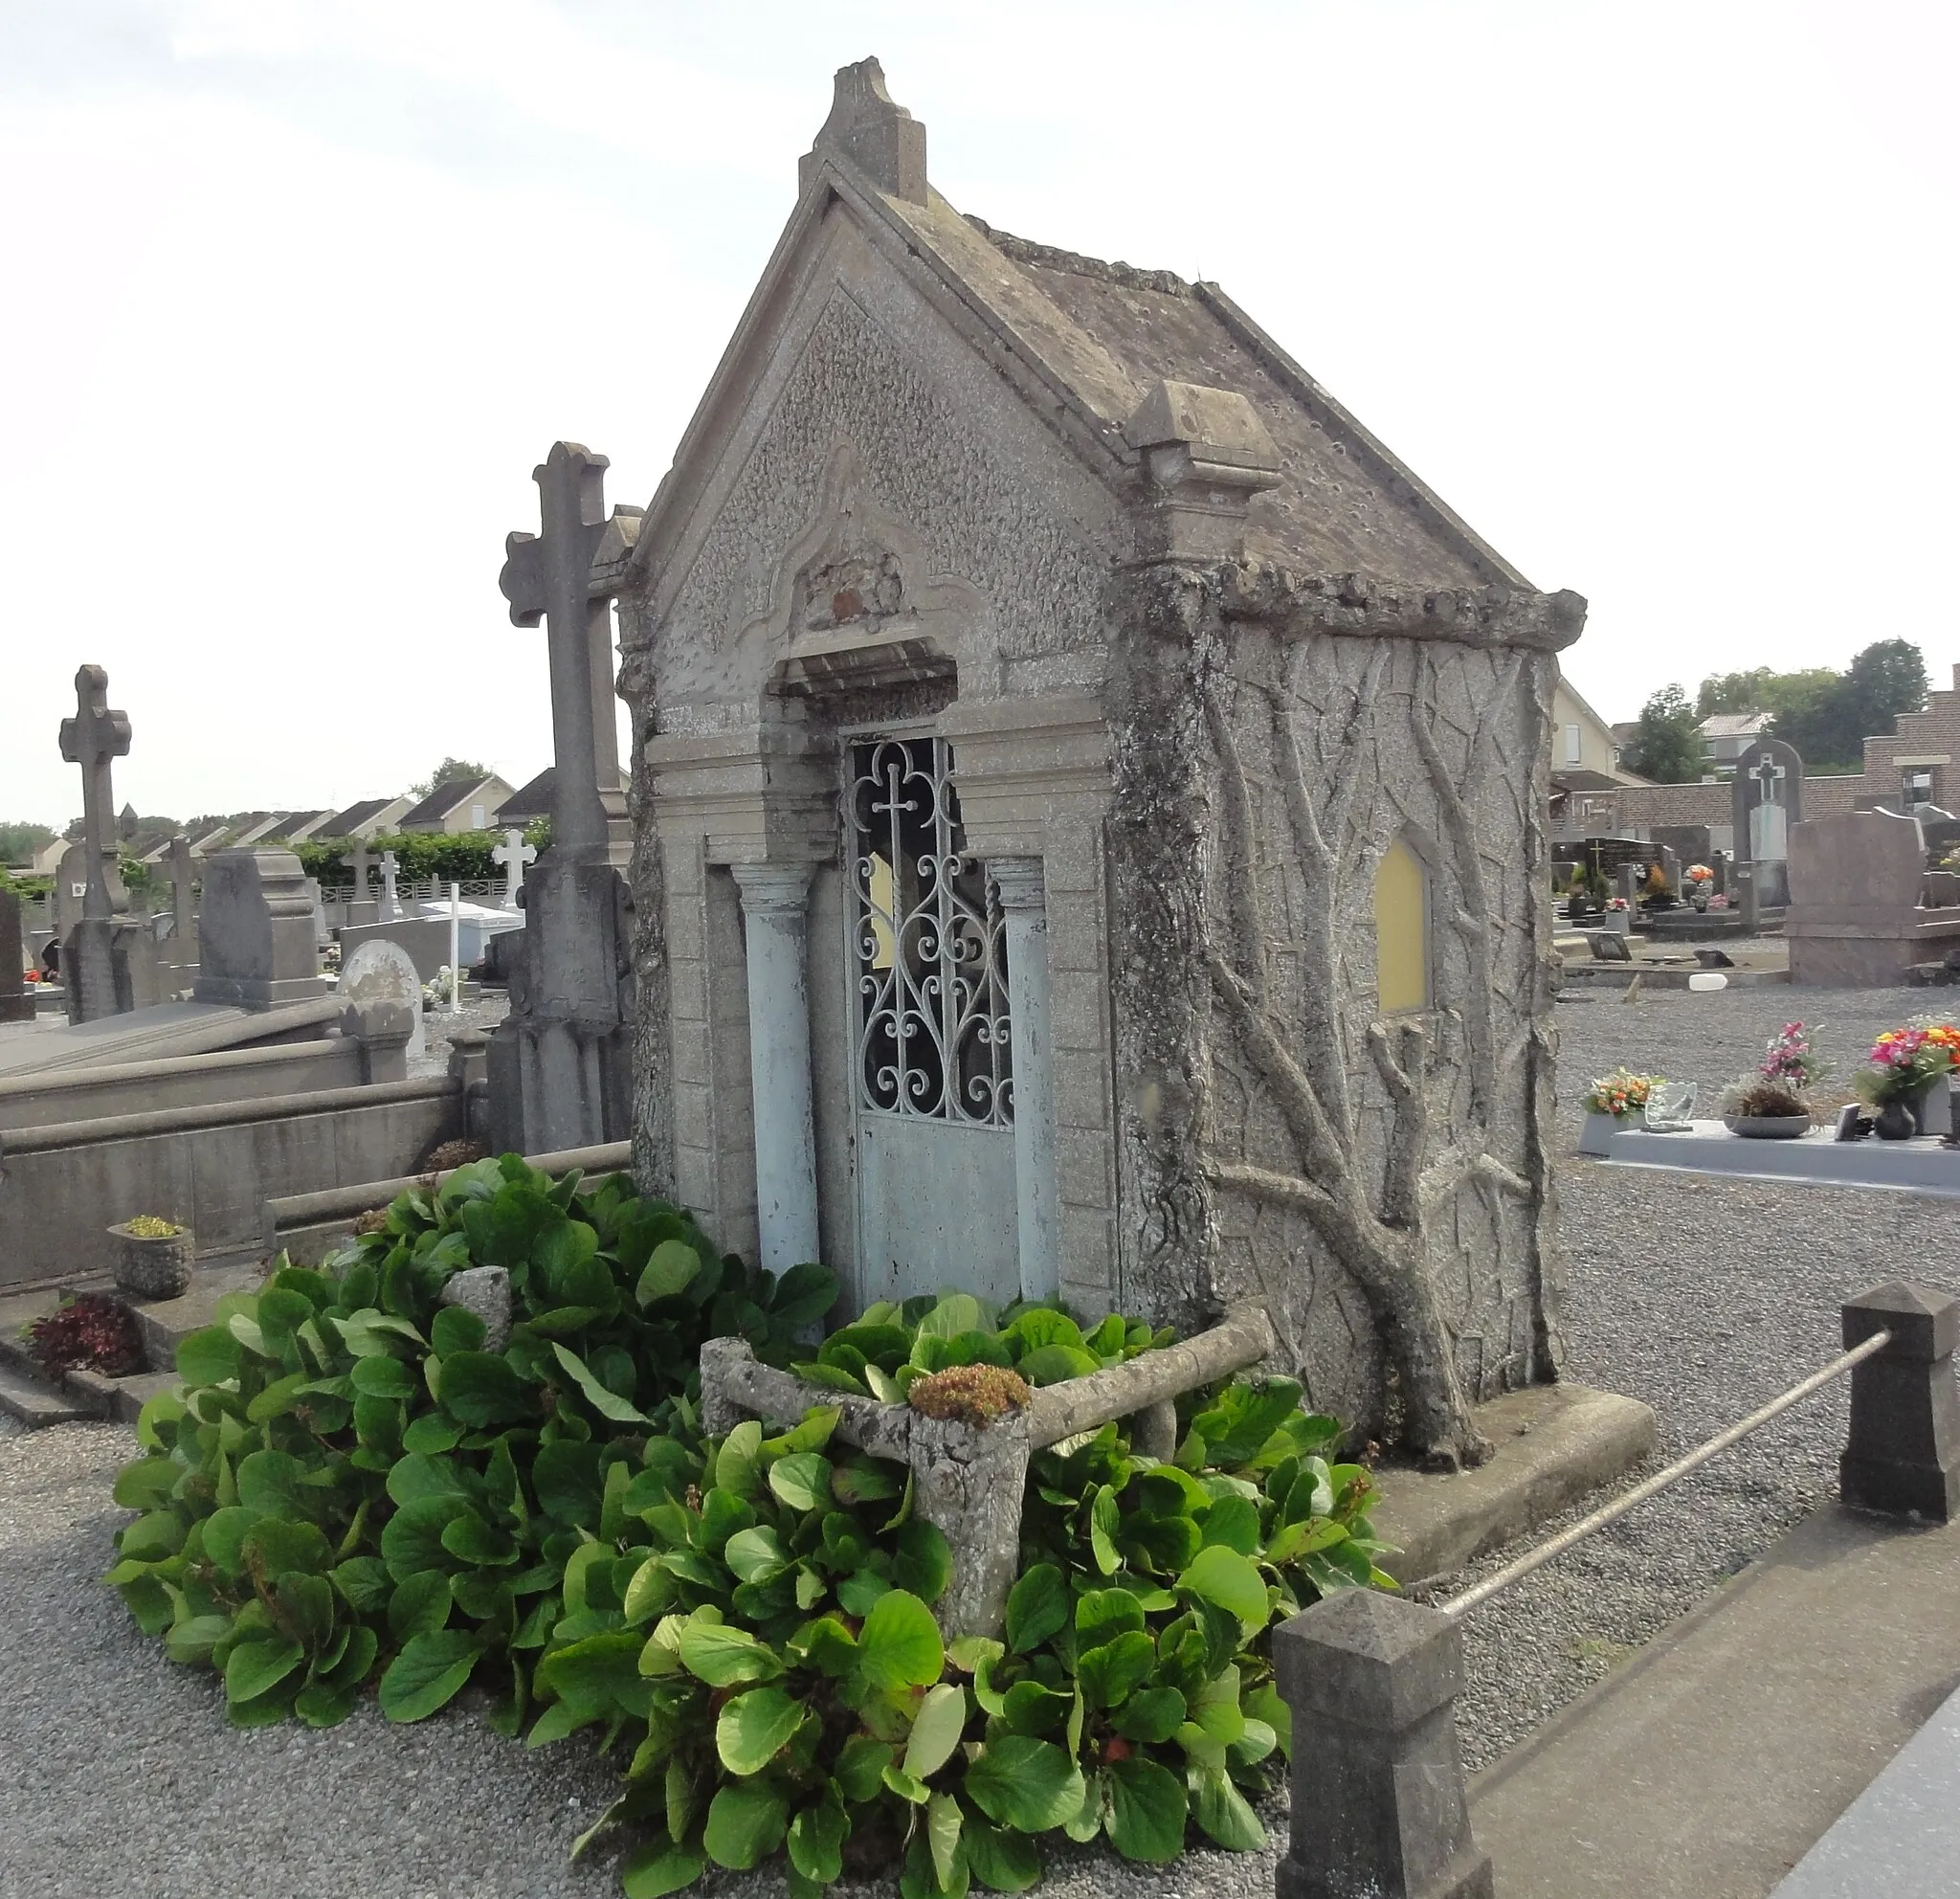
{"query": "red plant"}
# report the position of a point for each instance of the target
(94, 1329)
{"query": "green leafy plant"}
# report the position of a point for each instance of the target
(891, 1344)
(353, 1491)
(775, 1679)
(351, 1483)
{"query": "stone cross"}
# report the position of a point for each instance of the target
(390, 908)
(1769, 775)
(359, 870)
(182, 874)
(90, 739)
(549, 577)
(513, 854)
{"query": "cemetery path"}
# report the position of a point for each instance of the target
(1704, 1298)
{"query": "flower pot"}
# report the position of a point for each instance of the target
(1894, 1122)
(1768, 1127)
(157, 1267)
(1930, 1108)
(1600, 1129)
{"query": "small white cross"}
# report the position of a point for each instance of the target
(390, 911)
(513, 854)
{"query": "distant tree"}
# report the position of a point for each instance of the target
(1732, 692)
(19, 841)
(1664, 745)
(1830, 726)
(449, 773)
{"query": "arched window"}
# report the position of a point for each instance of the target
(1401, 931)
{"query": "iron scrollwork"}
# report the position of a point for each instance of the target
(933, 1030)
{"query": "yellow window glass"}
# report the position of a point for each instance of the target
(884, 896)
(1401, 931)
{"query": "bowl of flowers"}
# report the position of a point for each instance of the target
(1901, 1072)
(1614, 1104)
(1775, 1102)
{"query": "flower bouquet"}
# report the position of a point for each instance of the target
(1900, 1071)
(1698, 881)
(1613, 1102)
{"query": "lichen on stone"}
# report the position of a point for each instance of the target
(972, 1394)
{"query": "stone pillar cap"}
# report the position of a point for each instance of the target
(1923, 1323)
(1218, 427)
(1368, 1658)
(871, 131)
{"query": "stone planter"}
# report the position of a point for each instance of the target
(1600, 1129)
(969, 1478)
(1768, 1127)
(153, 1268)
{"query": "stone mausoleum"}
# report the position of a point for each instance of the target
(1089, 813)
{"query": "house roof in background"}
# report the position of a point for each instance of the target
(445, 799)
(1732, 724)
(530, 800)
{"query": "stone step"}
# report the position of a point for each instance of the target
(34, 1405)
(117, 1399)
(167, 1322)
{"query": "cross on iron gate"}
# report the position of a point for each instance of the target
(90, 739)
(549, 577)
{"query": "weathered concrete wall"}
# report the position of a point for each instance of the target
(192, 1080)
(212, 1169)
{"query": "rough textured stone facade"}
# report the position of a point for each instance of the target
(1200, 651)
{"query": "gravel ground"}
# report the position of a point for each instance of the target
(1703, 1297)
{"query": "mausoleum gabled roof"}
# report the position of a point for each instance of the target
(1084, 343)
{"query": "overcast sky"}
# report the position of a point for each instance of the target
(1661, 298)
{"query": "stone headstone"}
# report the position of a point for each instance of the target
(1855, 918)
(1670, 870)
(514, 854)
(1626, 884)
(321, 936)
(1691, 843)
(182, 874)
(16, 1004)
(379, 971)
(1767, 799)
(255, 932)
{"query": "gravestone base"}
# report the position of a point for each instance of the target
(546, 1076)
(559, 1064)
(108, 967)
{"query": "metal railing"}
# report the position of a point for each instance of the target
(1500, 1580)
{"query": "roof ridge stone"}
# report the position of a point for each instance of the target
(1025, 251)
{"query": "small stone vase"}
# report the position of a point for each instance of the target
(1599, 1129)
(154, 1268)
(1895, 1122)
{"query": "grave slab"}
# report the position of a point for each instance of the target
(1921, 1166)
(1901, 1835)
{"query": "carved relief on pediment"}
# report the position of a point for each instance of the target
(855, 599)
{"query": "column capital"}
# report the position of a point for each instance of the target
(776, 888)
(1020, 881)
